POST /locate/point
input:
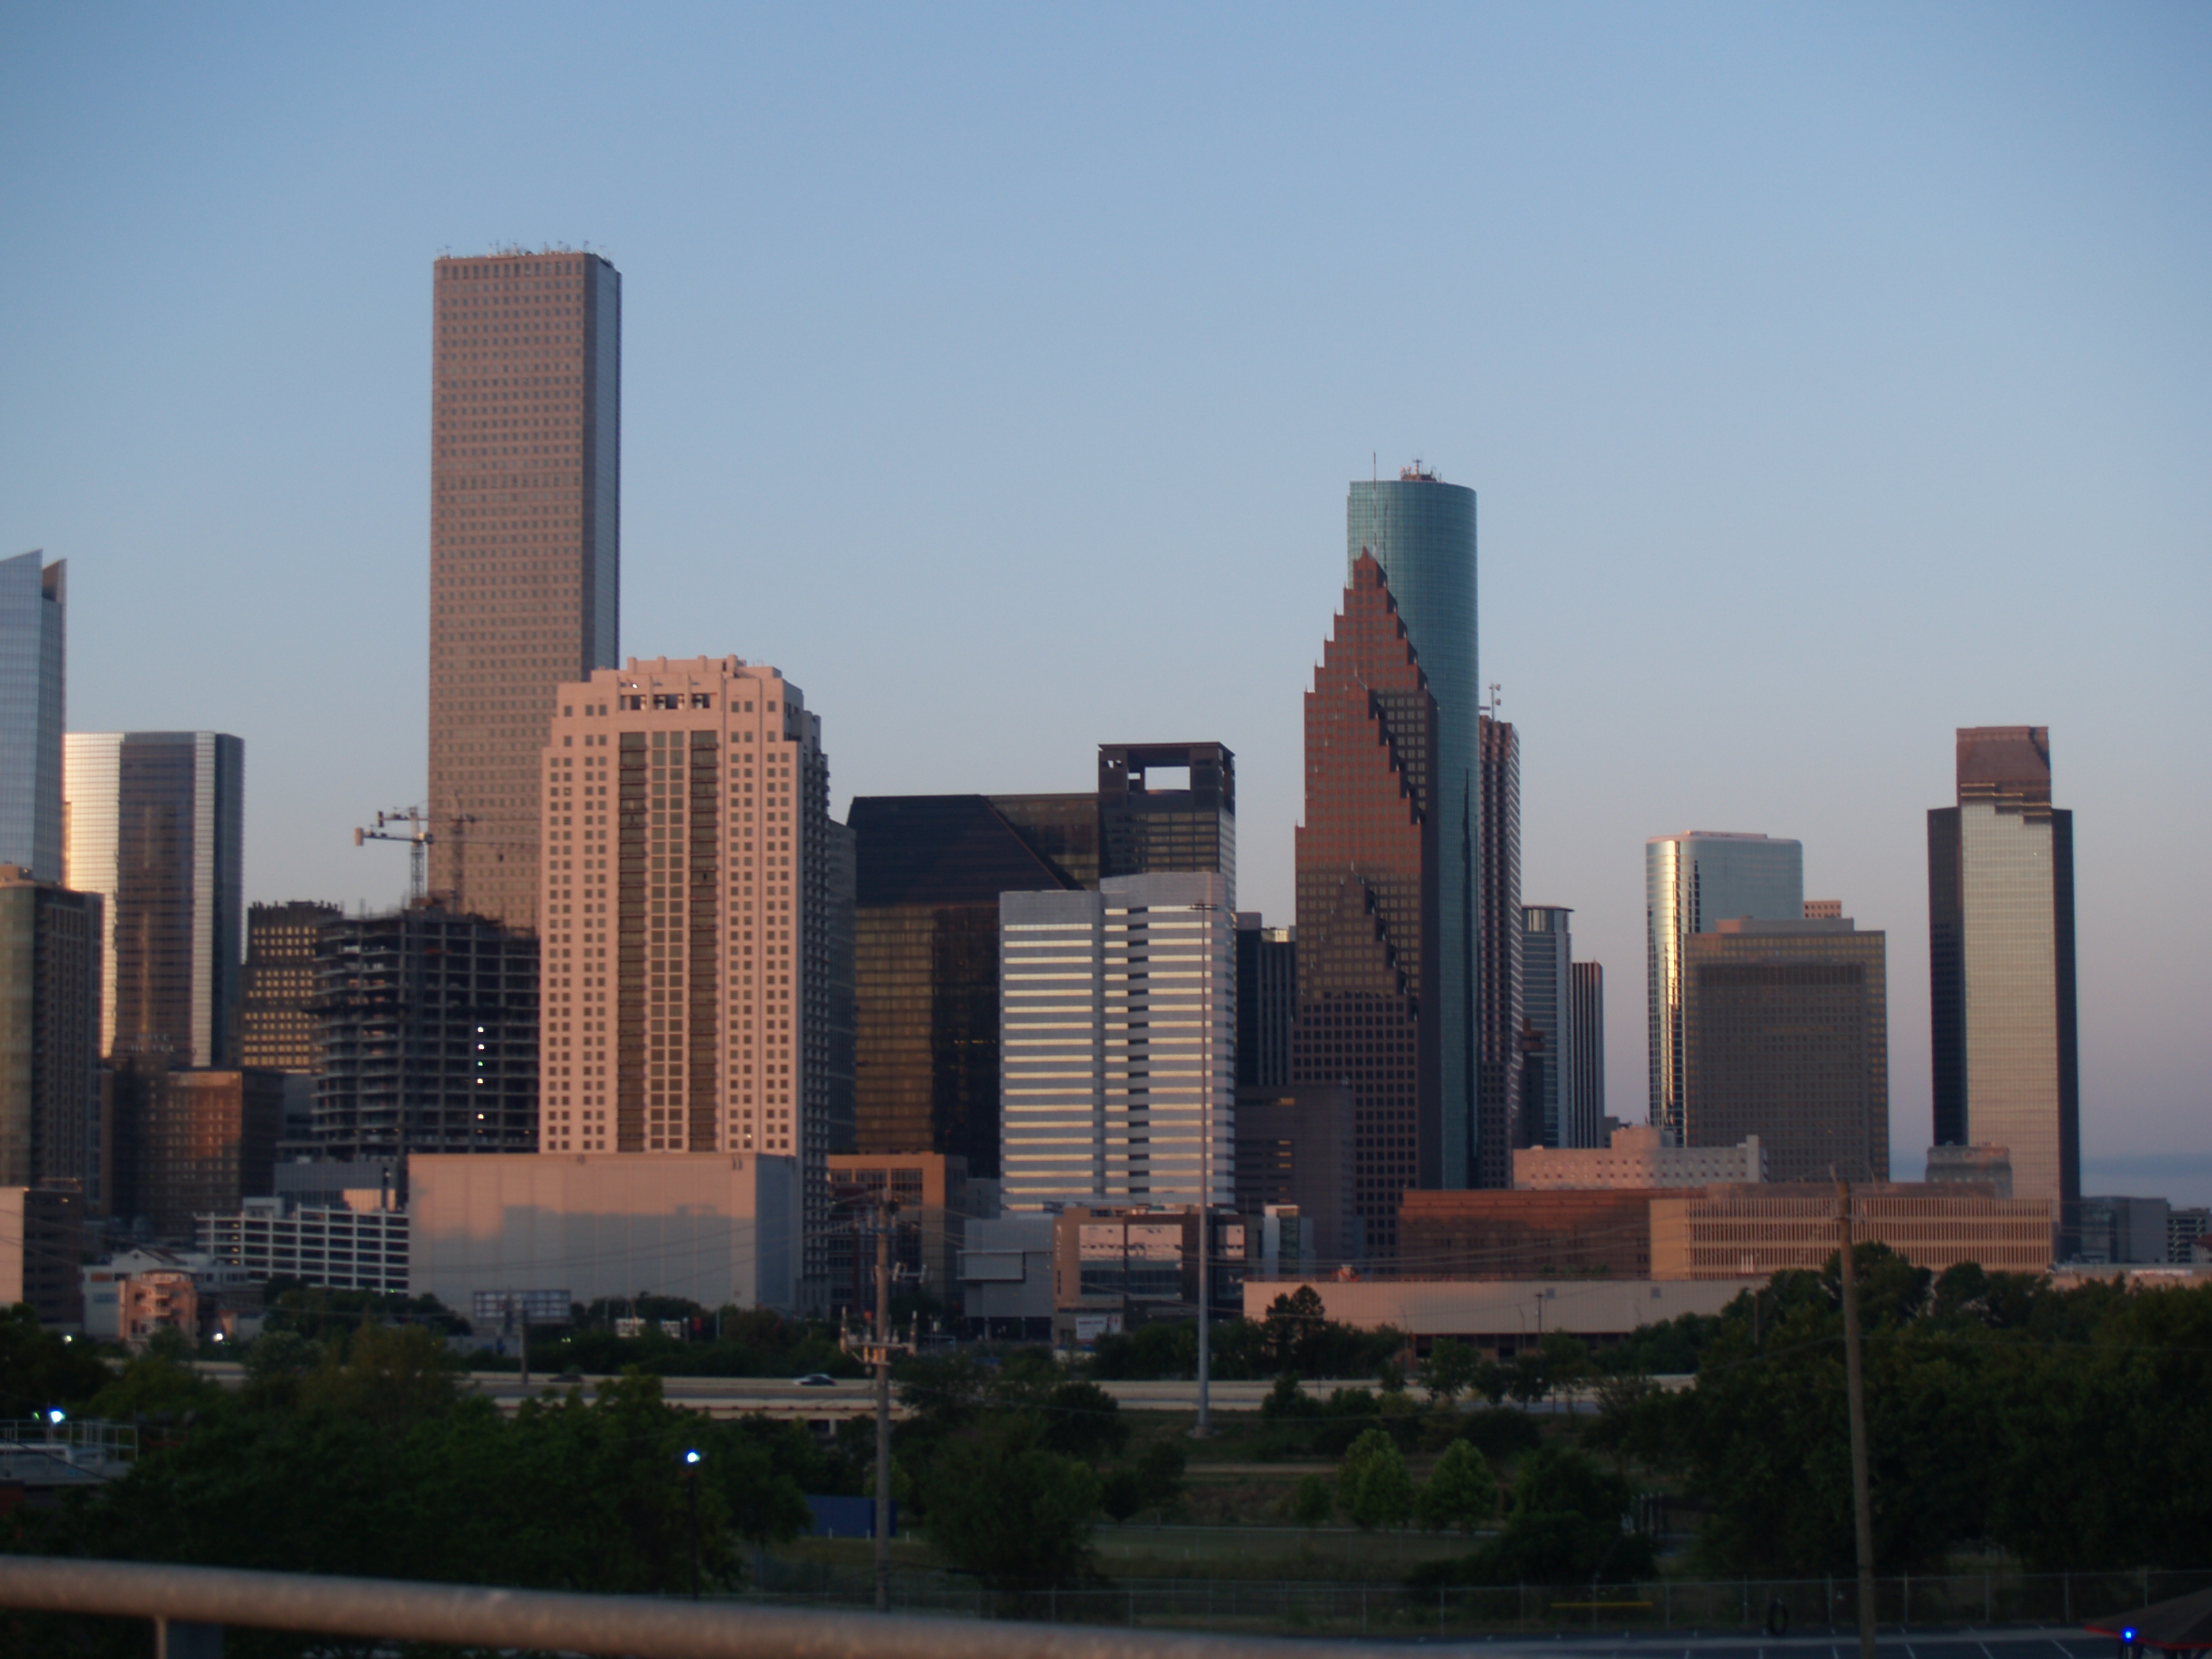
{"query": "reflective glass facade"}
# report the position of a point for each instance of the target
(1422, 532)
(32, 610)
(156, 823)
(1692, 883)
(1369, 886)
(1499, 988)
(2001, 961)
(1586, 1112)
(1548, 1036)
(1052, 1047)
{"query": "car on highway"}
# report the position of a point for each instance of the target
(817, 1380)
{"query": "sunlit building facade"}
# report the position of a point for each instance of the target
(2001, 964)
(1421, 532)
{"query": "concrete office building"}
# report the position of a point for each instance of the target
(2001, 963)
(926, 975)
(425, 1036)
(715, 1228)
(1548, 1038)
(1369, 888)
(933, 1204)
(51, 1127)
(339, 1249)
(1421, 534)
(1502, 1123)
(1588, 1112)
(1691, 882)
(1744, 1232)
(1516, 1235)
(1639, 1157)
(1980, 1166)
(1785, 1035)
(525, 546)
(33, 615)
(694, 998)
(1118, 1042)
(1266, 1001)
(276, 987)
(155, 826)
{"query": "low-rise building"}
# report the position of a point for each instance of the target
(1753, 1231)
(1117, 1266)
(1502, 1316)
(715, 1228)
(339, 1249)
(1639, 1157)
(934, 1203)
(1978, 1166)
(1520, 1235)
(2116, 1230)
(1006, 1278)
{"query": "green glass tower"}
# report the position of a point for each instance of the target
(1421, 531)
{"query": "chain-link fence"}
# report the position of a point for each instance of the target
(1776, 1606)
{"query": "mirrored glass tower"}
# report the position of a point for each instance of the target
(32, 610)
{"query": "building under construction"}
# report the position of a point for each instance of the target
(426, 1036)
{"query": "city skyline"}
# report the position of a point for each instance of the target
(1848, 502)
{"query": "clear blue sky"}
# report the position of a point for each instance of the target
(1831, 377)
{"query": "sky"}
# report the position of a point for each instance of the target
(1830, 378)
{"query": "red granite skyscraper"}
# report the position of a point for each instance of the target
(526, 499)
(1368, 886)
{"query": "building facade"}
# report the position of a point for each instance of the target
(1185, 821)
(1690, 883)
(1785, 1035)
(191, 1143)
(425, 1035)
(1502, 1124)
(1516, 1235)
(694, 886)
(155, 823)
(932, 1204)
(1588, 1113)
(926, 981)
(525, 546)
(1266, 1001)
(1421, 532)
(1548, 1037)
(276, 987)
(1370, 885)
(1641, 1157)
(1744, 1232)
(49, 1095)
(1118, 1042)
(2001, 963)
(1295, 1155)
(33, 612)
(339, 1249)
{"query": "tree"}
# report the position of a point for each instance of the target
(38, 1371)
(1565, 1523)
(1461, 1492)
(1450, 1369)
(1566, 1362)
(1531, 1381)
(1002, 1507)
(1082, 1421)
(1372, 1485)
(1313, 1504)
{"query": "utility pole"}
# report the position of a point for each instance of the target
(883, 1413)
(1205, 1298)
(1856, 1386)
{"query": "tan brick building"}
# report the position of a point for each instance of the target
(1726, 1232)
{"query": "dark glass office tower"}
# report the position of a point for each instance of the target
(1500, 985)
(156, 823)
(49, 1034)
(1164, 808)
(2001, 964)
(1266, 1001)
(33, 609)
(1548, 1037)
(930, 869)
(1369, 890)
(1422, 533)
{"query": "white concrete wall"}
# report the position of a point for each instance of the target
(713, 1227)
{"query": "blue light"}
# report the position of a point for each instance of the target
(2129, 1634)
(690, 1456)
(55, 1414)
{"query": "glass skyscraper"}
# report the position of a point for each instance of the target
(1692, 883)
(2001, 964)
(1422, 532)
(1548, 1037)
(33, 607)
(155, 825)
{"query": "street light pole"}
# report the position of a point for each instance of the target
(691, 1502)
(1854, 1385)
(884, 1412)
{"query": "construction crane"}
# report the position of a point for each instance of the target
(418, 835)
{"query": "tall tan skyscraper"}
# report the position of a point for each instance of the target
(526, 499)
(696, 986)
